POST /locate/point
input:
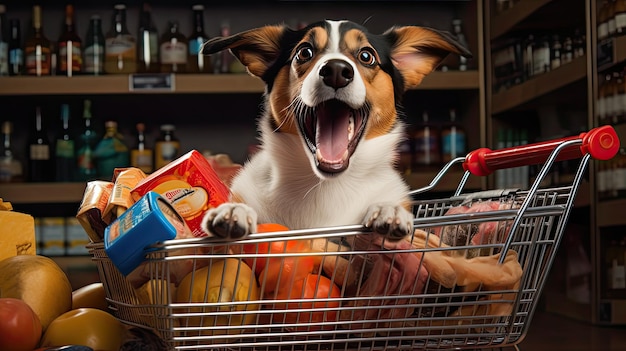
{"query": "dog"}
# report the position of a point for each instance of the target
(330, 125)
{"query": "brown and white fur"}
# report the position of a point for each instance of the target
(330, 126)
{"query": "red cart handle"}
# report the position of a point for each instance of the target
(601, 142)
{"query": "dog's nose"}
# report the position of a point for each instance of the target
(337, 73)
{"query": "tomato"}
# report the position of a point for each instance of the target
(303, 291)
(259, 263)
(282, 272)
(86, 326)
(20, 328)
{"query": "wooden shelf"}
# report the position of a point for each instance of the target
(187, 84)
(539, 86)
(505, 21)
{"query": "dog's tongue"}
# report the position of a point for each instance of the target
(333, 131)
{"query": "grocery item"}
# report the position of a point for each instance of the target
(223, 280)
(18, 232)
(90, 296)
(150, 220)
(20, 328)
(86, 326)
(190, 184)
(121, 199)
(38, 281)
(91, 210)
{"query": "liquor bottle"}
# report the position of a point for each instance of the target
(173, 50)
(147, 43)
(111, 152)
(40, 166)
(452, 139)
(86, 167)
(166, 147)
(457, 29)
(93, 55)
(10, 165)
(37, 48)
(141, 156)
(4, 42)
(198, 63)
(69, 46)
(16, 52)
(426, 144)
(64, 150)
(120, 53)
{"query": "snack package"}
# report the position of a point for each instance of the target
(190, 184)
(125, 179)
(92, 208)
(17, 236)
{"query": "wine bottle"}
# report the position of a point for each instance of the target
(141, 155)
(40, 166)
(121, 47)
(4, 42)
(147, 43)
(173, 50)
(93, 55)
(16, 52)
(64, 150)
(111, 152)
(69, 46)
(198, 63)
(37, 48)
(10, 165)
(86, 167)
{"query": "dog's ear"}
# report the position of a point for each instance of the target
(257, 49)
(417, 51)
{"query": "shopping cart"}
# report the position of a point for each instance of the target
(469, 278)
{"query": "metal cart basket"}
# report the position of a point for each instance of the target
(468, 278)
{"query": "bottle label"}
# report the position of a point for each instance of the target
(166, 152)
(94, 58)
(195, 45)
(426, 147)
(38, 60)
(4, 58)
(16, 57)
(39, 152)
(453, 144)
(148, 47)
(120, 46)
(141, 159)
(173, 52)
(64, 148)
(620, 21)
(72, 54)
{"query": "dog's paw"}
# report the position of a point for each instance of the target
(230, 220)
(393, 221)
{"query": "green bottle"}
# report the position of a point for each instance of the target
(64, 151)
(86, 167)
(111, 152)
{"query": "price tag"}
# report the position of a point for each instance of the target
(152, 82)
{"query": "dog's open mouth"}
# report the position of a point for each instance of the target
(332, 131)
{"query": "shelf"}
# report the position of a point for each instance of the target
(539, 86)
(505, 21)
(611, 52)
(188, 84)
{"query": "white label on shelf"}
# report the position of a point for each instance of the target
(152, 82)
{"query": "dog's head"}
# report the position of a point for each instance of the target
(334, 83)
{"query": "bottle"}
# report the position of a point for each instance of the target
(541, 56)
(224, 58)
(457, 29)
(198, 63)
(426, 145)
(69, 46)
(173, 50)
(10, 165)
(4, 42)
(120, 52)
(37, 48)
(567, 55)
(578, 43)
(555, 52)
(527, 57)
(166, 147)
(141, 156)
(620, 17)
(147, 43)
(64, 149)
(40, 166)
(16, 53)
(93, 55)
(452, 139)
(85, 164)
(111, 152)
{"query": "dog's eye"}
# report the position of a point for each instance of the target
(366, 56)
(304, 54)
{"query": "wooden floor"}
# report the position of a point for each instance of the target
(551, 332)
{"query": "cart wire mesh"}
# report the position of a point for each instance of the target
(469, 277)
